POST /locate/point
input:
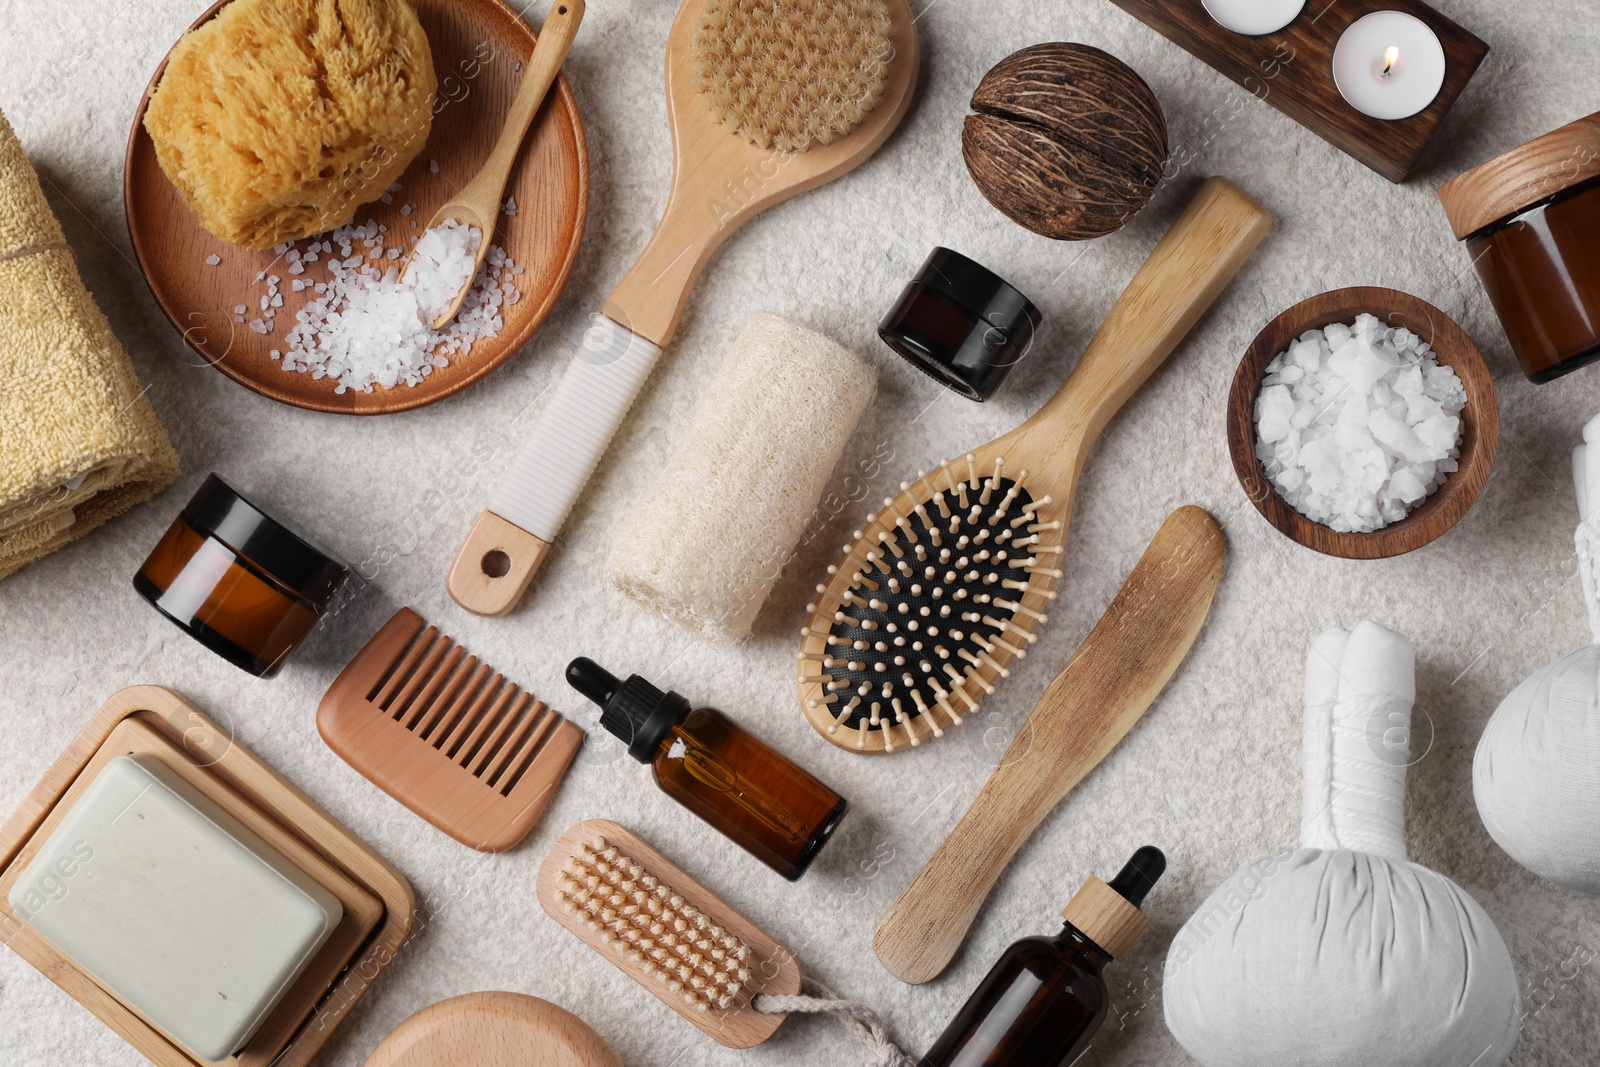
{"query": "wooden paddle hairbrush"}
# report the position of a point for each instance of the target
(944, 587)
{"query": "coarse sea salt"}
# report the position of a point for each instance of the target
(371, 327)
(1357, 424)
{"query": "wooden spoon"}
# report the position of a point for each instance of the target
(719, 181)
(478, 202)
(1103, 690)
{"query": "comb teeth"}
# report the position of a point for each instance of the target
(651, 924)
(932, 610)
(486, 725)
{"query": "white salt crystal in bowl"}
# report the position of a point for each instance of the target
(1362, 423)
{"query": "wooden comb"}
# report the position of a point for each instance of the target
(667, 932)
(439, 731)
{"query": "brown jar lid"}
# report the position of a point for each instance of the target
(1106, 917)
(1523, 176)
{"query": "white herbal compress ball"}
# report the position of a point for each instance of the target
(1536, 776)
(1343, 952)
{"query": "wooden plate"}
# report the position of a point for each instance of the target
(479, 49)
(1480, 421)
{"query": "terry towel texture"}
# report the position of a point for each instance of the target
(707, 543)
(79, 442)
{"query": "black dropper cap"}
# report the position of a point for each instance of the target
(1139, 874)
(635, 711)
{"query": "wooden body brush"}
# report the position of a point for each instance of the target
(666, 931)
(747, 133)
(943, 587)
(1104, 689)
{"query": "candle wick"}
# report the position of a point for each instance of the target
(1390, 57)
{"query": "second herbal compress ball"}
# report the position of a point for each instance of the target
(279, 118)
(1536, 775)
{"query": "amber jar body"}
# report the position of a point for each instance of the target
(1039, 1006)
(230, 606)
(1541, 269)
(747, 791)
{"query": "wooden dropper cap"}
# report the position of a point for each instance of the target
(1107, 913)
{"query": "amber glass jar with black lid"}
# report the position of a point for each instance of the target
(1530, 220)
(238, 581)
(961, 324)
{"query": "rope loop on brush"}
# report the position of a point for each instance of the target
(866, 1025)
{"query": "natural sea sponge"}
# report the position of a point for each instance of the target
(279, 118)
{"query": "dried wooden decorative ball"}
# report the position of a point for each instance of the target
(1068, 140)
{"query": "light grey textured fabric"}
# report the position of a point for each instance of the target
(1210, 774)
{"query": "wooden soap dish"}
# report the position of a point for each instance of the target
(379, 906)
(493, 1030)
(1480, 421)
(1292, 70)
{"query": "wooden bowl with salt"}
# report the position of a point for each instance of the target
(480, 50)
(1480, 421)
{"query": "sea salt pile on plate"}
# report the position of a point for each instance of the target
(369, 326)
(1357, 424)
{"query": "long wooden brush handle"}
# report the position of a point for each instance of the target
(1184, 273)
(1102, 691)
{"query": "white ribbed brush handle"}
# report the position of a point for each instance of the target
(510, 540)
(575, 427)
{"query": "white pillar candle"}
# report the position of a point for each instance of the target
(1254, 17)
(1388, 65)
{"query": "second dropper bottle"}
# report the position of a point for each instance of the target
(711, 765)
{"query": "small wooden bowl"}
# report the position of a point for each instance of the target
(479, 50)
(1480, 420)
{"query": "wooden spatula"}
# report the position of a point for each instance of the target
(478, 202)
(1102, 691)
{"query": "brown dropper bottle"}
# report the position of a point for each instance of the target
(714, 767)
(1042, 1002)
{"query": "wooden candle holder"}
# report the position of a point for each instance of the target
(1292, 70)
(378, 902)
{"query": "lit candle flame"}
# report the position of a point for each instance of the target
(1391, 56)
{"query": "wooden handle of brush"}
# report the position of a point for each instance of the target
(1185, 272)
(1102, 691)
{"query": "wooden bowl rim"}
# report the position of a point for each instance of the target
(1480, 421)
(403, 399)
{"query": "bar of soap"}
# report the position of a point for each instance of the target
(175, 906)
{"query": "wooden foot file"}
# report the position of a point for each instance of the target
(1108, 684)
(719, 180)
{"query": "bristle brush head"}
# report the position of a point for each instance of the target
(788, 74)
(663, 929)
(936, 597)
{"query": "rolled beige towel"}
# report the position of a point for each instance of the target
(708, 541)
(79, 441)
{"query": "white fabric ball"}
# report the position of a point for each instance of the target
(1341, 957)
(1536, 776)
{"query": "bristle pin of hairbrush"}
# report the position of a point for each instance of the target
(666, 931)
(935, 598)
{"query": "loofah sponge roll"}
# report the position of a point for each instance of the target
(786, 75)
(708, 541)
(277, 119)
